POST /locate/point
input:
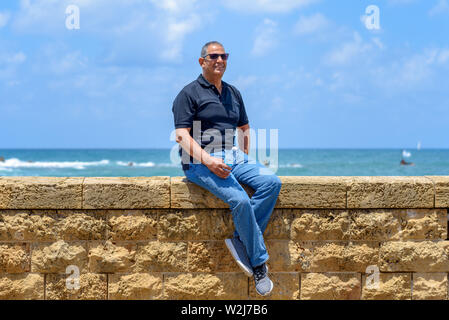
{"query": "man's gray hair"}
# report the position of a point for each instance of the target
(204, 49)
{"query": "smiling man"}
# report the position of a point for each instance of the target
(215, 108)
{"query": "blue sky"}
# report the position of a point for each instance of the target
(309, 68)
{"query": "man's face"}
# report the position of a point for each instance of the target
(215, 67)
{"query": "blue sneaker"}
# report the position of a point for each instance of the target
(238, 251)
(263, 284)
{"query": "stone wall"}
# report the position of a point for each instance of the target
(162, 238)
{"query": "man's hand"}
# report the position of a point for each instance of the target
(218, 167)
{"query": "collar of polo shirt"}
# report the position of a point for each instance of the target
(206, 83)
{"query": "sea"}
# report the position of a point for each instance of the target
(284, 162)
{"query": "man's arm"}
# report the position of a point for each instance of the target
(243, 137)
(216, 165)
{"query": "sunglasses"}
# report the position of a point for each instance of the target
(214, 56)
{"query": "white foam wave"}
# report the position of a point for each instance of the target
(17, 163)
(136, 164)
(291, 165)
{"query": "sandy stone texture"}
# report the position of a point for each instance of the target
(210, 256)
(285, 287)
(57, 256)
(40, 192)
(202, 286)
(388, 286)
(429, 286)
(330, 286)
(14, 258)
(27, 286)
(132, 224)
(111, 257)
(418, 256)
(196, 224)
(320, 225)
(126, 192)
(313, 192)
(160, 256)
(441, 184)
(137, 286)
(87, 286)
(390, 192)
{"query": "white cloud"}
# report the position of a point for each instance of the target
(15, 58)
(4, 18)
(349, 51)
(266, 6)
(311, 24)
(266, 38)
(440, 8)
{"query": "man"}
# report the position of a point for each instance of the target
(215, 108)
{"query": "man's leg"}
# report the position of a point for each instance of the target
(265, 184)
(231, 192)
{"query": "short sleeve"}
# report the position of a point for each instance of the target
(183, 110)
(243, 120)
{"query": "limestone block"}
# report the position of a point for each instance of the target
(289, 256)
(57, 256)
(126, 192)
(285, 287)
(441, 184)
(14, 258)
(390, 192)
(188, 286)
(423, 224)
(133, 224)
(210, 256)
(280, 223)
(108, 256)
(198, 224)
(40, 192)
(419, 256)
(158, 256)
(390, 286)
(21, 286)
(330, 286)
(137, 286)
(88, 286)
(320, 225)
(374, 224)
(429, 286)
(313, 192)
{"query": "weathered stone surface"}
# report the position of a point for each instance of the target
(390, 192)
(279, 226)
(126, 192)
(187, 286)
(56, 257)
(210, 256)
(137, 286)
(14, 258)
(89, 286)
(133, 224)
(187, 195)
(21, 286)
(423, 224)
(107, 256)
(374, 224)
(158, 256)
(285, 287)
(51, 225)
(289, 256)
(390, 286)
(40, 192)
(320, 225)
(330, 286)
(441, 184)
(429, 286)
(422, 256)
(205, 224)
(313, 192)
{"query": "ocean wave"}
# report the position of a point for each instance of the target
(17, 163)
(136, 164)
(291, 165)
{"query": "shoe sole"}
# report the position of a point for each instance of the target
(234, 254)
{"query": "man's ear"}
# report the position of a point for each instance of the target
(201, 61)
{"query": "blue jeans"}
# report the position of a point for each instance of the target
(250, 216)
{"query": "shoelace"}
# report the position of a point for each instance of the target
(259, 273)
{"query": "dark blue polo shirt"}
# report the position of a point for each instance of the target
(200, 101)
